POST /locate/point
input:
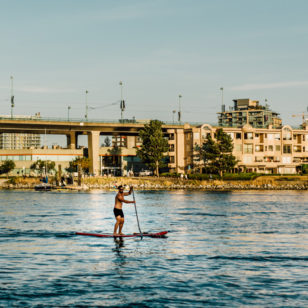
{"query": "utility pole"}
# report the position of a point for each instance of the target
(122, 102)
(86, 115)
(180, 112)
(12, 97)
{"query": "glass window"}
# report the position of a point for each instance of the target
(287, 148)
(248, 148)
(277, 136)
(277, 148)
(270, 148)
(239, 135)
(248, 135)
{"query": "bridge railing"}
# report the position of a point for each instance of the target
(82, 120)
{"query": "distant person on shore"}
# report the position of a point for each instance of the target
(118, 213)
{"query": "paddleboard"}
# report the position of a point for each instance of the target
(158, 234)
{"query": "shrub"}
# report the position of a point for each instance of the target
(240, 177)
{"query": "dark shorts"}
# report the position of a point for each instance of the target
(118, 212)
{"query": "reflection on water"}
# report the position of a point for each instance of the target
(224, 249)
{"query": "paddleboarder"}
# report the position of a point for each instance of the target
(118, 212)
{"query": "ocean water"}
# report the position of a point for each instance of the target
(224, 249)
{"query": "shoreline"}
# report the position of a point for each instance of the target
(162, 183)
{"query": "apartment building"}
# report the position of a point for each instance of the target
(18, 141)
(247, 111)
(261, 150)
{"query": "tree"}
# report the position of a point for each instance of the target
(154, 145)
(43, 166)
(83, 162)
(217, 155)
(107, 142)
(7, 166)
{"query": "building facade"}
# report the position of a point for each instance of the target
(18, 141)
(246, 111)
(261, 150)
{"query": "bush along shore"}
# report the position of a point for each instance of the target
(170, 183)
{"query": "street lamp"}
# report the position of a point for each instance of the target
(68, 113)
(179, 113)
(12, 97)
(122, 102)
(86, 115)
(222, 95)
(173, 111)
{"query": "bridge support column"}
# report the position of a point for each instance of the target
(71, 140)
(93, 152)
(180, 150)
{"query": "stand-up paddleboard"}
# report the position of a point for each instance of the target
(159, 234)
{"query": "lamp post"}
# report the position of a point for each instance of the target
(68, 113)
(86, 115)
(12, 97)
(122, 102)
(180, 112)
(222, 95)
(173, 111)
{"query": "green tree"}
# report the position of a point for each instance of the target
(83, 162)
(217, 154)
(154, 145)
(43, 166)
(6, 167)
(107, 142)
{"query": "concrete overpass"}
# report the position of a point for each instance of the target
(93, 129)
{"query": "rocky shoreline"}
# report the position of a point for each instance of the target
(266, 183)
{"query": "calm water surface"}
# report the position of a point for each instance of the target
(233, 249)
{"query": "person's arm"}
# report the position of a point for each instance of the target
(120, 198)
(130, 191)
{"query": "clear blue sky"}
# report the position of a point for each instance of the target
(159, 49)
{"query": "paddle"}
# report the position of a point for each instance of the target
(137, 214)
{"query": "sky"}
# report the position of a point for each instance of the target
(160, 49)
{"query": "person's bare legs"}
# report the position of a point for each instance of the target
(121, 225)
(117, 224)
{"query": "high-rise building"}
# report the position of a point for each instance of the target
(16, 141)
(247, 111)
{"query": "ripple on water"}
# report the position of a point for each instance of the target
(224, 249)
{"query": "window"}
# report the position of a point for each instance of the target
(239, 136)
(297, 148)
(171, 137)
(248, 148)
(248, 136)
(270, 148)
(286, 134)
(171, 148)
(277, 148)
(287, 148)
(259, 148)
(270, 136)
(277, 136)
(171, 159)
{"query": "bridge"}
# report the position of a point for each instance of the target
(72, 128)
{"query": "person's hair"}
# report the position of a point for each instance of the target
(120, 187)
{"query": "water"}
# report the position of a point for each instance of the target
(233, 249)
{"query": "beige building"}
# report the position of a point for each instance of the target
(261, 150)
(247, 111)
